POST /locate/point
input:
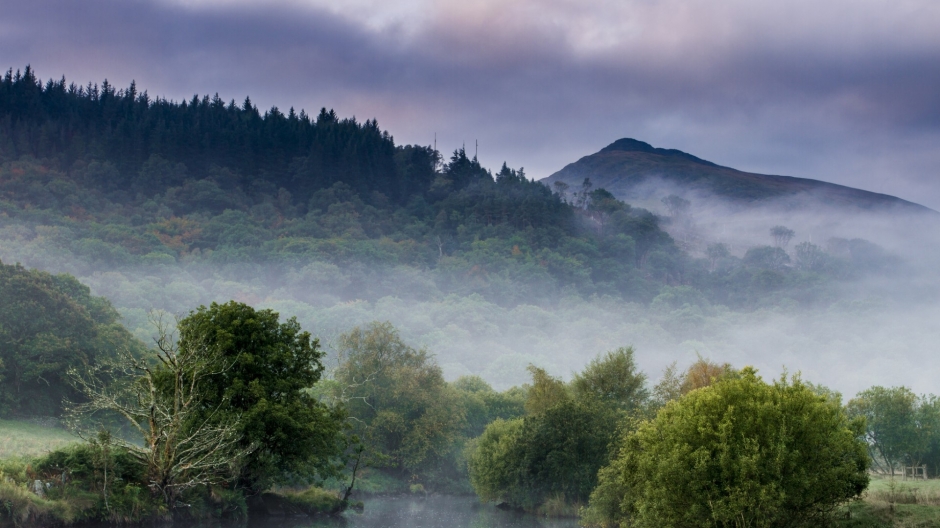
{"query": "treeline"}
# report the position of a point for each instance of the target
(95, 178)
(237, 411)
(123, 129)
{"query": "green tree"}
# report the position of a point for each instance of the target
(494, 460)
(740, 452)
(400, 406)
(677, 206)
(809, 256)
(556, 450)
(49, 324)
(264, 369)
(614, 380)
(159, 396)
(781, 235)
(674, 385)
(716, 253)
(900, 426)
(767, 257)
(929, 417)
(483, 405)
(545, 392)
(553, 454)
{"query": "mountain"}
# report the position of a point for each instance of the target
(637, 172)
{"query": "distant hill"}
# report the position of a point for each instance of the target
(635, 171)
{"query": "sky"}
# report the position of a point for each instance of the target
(842, 90)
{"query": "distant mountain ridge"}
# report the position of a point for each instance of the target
(635, 171)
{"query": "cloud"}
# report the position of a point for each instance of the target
(841, 90)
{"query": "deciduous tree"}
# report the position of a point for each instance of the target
(740, 452)
(159, 397)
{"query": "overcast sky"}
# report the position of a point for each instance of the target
(841, 90)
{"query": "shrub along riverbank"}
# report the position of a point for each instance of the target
(80, 483)
(210, 421)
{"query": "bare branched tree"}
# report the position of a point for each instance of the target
(159, 398)
(781, 235)
(677, 206)
(582, 197)
(561, 189)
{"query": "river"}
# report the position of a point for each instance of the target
(433, 512)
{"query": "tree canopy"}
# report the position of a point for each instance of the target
(901, 428)
(737, 452)
(407, 415)
(554, 452)
(264, 369)
(48, 324)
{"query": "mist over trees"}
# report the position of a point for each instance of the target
(239, 401)
(170, 205)
(120, 179)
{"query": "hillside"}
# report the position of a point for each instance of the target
(636, 171)
(155, 204)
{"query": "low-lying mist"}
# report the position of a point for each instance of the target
(873, 328)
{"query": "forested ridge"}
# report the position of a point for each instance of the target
(113, 178)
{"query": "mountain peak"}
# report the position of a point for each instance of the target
(635, 145)
(627, 166)
(629, 145)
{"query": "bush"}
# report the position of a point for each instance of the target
(740, 452)
(24, 508)
(544, 459)
(315, 501)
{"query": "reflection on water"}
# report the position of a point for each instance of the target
(433, 512)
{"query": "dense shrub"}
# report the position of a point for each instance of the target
(740, 452)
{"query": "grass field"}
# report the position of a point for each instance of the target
(895, 503)
(21, 438)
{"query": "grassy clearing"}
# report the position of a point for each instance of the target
(923, 492)
(26, 439)
(895, 503)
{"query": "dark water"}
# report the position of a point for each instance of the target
(433, 512)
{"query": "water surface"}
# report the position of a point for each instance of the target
(432, 512)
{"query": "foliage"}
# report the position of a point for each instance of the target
(24, 508)
(160, 398)
(527, 461)
(552, 455)
(78, 484)
(407, 415)
(546, 391)
(700, 374)
(495, 460)
(613, 379)
(900, 427)
(262, 370)
(48, 324)
(483, 405)
(740, 452)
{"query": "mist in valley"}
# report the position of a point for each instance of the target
(229, 295)
(875, 327)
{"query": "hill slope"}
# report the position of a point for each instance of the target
(635, 171)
